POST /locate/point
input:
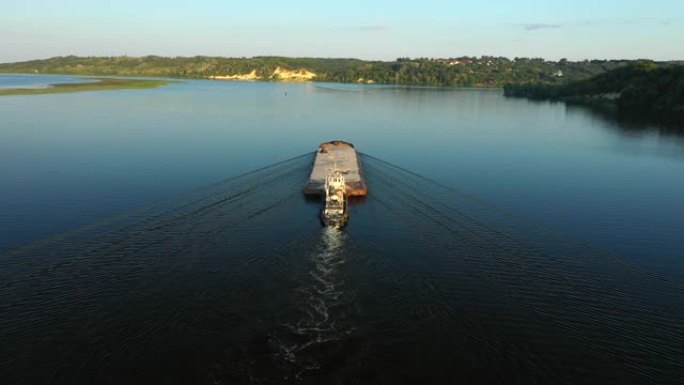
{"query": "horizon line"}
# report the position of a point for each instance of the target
(345, 58)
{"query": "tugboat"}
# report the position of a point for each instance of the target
(334, 213)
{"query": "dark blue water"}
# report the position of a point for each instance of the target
(545, 247)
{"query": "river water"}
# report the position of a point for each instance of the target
(502, 240)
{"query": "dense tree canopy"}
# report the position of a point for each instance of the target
(485, 71)
(639, 86)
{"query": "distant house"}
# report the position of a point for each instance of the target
(558, 74)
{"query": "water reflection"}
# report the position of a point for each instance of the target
(635, 123)
(323, 301)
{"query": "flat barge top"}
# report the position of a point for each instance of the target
(337, 155)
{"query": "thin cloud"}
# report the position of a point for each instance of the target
(12, 32)
(539, 26)
(646, 21)
(373, 28)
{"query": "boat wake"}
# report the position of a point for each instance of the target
(323, 304)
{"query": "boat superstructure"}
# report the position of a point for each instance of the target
(334, 212)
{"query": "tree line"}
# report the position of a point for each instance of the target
(484, 71)
(640, 86)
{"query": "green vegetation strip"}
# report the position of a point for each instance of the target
(102, 84)
(485, 71)
(638, 87)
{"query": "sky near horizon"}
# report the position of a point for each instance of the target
(371, 29)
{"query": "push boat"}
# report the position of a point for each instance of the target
(334, 213)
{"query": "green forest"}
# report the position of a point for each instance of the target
(637, 85)
(641, 86)
(485, 71)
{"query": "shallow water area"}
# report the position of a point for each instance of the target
(36, 81)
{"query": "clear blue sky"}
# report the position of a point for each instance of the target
(552, 29)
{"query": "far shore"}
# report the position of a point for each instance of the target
(102, 84)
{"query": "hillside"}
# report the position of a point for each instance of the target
(638, 87)
(485, 71)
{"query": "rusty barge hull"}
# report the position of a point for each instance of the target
(340, 155)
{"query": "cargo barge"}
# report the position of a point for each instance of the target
(341, 156)
(336, 175)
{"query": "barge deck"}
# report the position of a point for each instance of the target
(337, 155)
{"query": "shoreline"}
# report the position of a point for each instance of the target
(241, 79)
(101, 84)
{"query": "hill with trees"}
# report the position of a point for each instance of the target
(485, 71)
(639, 87)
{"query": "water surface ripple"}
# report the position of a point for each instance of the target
(239, 283)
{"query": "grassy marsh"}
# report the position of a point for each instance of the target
(102, 84)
